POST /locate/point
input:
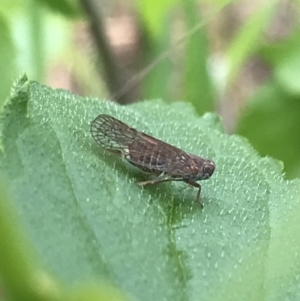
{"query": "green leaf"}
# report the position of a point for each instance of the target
(247, 39)
(20, 274)
(153, 14)
(284, 58)
(271, 121)
(7, 60)
(89, 220)
(68, 8)
(153, 86)
(198, 86)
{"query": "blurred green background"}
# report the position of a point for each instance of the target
(240, 59)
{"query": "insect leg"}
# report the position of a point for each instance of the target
(165, 178)
(156, 181)
(197, 185)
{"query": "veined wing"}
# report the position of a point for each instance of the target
(150, 153)
(112, 134)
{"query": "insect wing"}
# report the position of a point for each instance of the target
(112, 134)
(153, 154)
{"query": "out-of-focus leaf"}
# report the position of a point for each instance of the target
(7, 60)
(247, 39)
(288, 74)
(271, 121)
(68, 8)
(198, 88)
(153, 14)
(156, 83)
(284, 57)
(21, 276)
(88, 218)
(95, 292)
(155, 19)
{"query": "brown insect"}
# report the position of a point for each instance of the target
(152, 155)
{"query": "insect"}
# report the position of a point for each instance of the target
(166, 162)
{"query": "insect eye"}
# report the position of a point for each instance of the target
(209, 168)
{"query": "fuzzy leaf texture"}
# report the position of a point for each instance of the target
(88, 220)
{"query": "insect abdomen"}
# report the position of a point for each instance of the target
(142, 155)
